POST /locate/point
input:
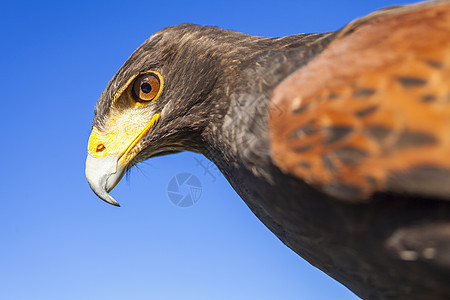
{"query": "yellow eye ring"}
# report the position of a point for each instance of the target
(147, 87)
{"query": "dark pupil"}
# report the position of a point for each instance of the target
(146, 88)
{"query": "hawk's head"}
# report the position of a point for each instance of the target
(161, 100)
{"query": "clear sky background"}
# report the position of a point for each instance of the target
(57, 239)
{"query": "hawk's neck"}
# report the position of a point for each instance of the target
(237, 135)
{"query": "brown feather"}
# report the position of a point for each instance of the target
(372, 111)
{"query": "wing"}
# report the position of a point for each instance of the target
(371, 113)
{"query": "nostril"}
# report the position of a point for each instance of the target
(100, 148)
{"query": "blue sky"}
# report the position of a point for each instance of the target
(57, 240)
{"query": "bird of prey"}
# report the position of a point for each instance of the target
(338, 142)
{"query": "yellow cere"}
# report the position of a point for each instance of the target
(126, 124)
(120, 137)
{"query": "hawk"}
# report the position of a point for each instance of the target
(338, 142)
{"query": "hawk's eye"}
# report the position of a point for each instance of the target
(146, 87)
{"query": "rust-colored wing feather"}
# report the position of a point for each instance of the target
(371, 113)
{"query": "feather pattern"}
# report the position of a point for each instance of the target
(338, 142)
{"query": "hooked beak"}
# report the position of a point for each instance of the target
(103, 174)
(109, 154)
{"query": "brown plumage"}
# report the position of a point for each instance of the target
(372, 112)
(338, 142)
